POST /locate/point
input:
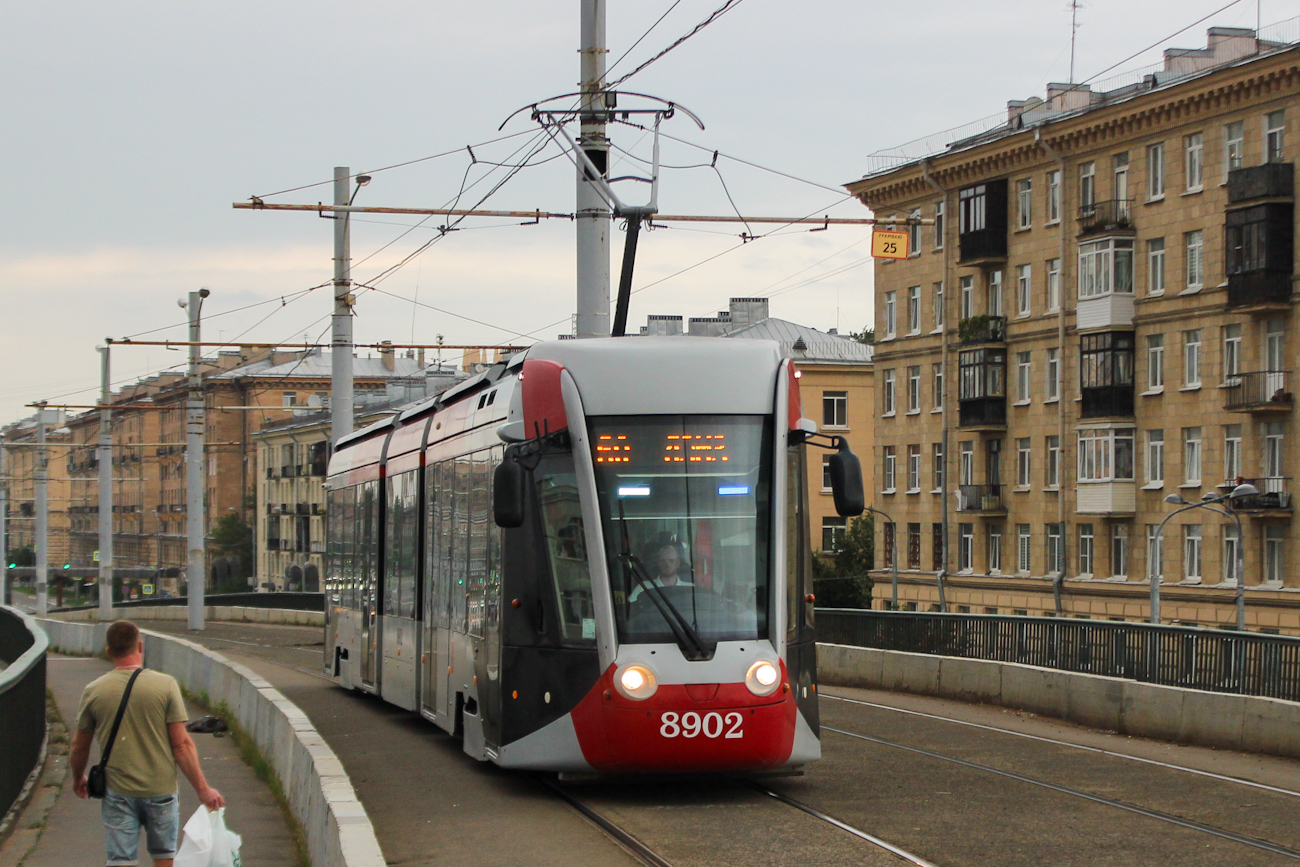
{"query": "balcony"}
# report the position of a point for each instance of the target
(1107, 401)
(1269, 181)
(1111, 310)
(982, 223)
(1266, 291)
(287, 471)
(982, 413)
(1263, 391)
(982, 329)
(1106, 498)
(981, 498)
(1273, 499)
(1109, 216)
(318, 468)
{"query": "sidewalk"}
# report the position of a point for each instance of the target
(73, 834)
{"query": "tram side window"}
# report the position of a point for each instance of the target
(401, 543)
(464, 474)
(480, 518)
(347, 545)
(566, 548)
(334, 548)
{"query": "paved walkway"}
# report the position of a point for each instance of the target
(73, 834)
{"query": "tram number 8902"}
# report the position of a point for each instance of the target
(692, 724)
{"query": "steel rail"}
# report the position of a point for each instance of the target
(1190, 824)
(635, 847)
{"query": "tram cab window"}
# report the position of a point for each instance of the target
(566, 547)
(685, 506)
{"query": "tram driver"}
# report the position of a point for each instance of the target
(668, 568)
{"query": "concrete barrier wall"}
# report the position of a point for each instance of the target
(221, 613)
(1189, 716)
(338, 831)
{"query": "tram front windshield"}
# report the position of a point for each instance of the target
(685, 505)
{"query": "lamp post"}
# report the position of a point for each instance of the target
(1207, 502)
(893, 557)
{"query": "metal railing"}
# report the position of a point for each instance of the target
(982, 329)
(980, 498)
(1273, 495)
(22, 702)
(1106, 216)
(1245, 663)
(279, 599)
(1261, 389)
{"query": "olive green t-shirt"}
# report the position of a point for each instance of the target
(141, 764)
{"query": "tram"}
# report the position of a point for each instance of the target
(594, 557)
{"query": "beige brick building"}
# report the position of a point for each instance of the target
(1101, 317)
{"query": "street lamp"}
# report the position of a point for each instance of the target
(1209, 500)
(893, 555)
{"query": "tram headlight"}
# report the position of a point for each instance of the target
(636, 682)
(763, 677)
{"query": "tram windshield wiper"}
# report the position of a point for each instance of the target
(688, 639)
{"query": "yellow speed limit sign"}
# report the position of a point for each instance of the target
(888, 244)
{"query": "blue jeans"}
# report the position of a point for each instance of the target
(124, 817)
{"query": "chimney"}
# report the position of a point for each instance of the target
(745, 312)
(662, 325)
(1068, 97)
(386, 353)
(419, 358)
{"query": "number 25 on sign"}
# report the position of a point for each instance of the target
(888, 244)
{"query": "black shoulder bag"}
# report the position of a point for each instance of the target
(97, 779)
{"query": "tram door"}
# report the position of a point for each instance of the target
(438, 496)
(369, 543)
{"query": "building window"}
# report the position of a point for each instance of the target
(1231, 352)
(887, 393)
(826, 473)
(1105, 266)
(1192, 359)
(835, 408)
(965, 547)
(981, 374)
(1155, 361)
(937, 466)
(1120, 178)
(1053, 381)
(1195, 262)
(1023, 463)
(1053, 197)
(1106, 455)
(1155, 554)
(938, 306)
(891, 314)
(288, 398)
(1156, 171)
(966, 463)
(887, 469)
(913, 546)
(1053, 285)
(966, 287)
(1194, 161)
(972, 214)
(1234, 147)
(1192, 553)
(995, 549)
(1274, 536)
(1087, 184)
(914, 388)
(1053, 477)
(1023, 541)
(889, 547)
(1156, 266)
(995, 293)
(1231, 548)
(1274, 136)
(1192, 455)
(1024, 202)
(936, 546)
(1273, 434)
(938, 384)
(1055, 551)
(1119, 551)
(914, 469)
(914, 233)
(1023, 373)
(1024, 290)
(914, 310)
(1155, 469)
(833, 530)
(1085, 549)
(938, 225)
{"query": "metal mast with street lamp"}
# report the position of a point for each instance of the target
(1207, 502)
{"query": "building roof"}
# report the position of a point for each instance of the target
(818, 347)
(317, 365)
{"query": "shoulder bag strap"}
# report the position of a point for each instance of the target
(121, 710)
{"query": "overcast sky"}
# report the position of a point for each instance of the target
(130, 128)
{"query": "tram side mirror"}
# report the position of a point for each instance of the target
(846, 481)
(509, 492)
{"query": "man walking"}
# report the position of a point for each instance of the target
(151, 742)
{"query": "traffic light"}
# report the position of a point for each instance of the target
(67, 565)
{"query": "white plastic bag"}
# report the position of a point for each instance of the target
(208, 843)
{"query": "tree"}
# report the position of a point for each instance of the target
(843, 580)
(866, 335)
(232, 539)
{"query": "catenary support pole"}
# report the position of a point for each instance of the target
(105, 456)
(42, 514)
(593, 214)
(341, 339)
(4, 530)
(196, 565)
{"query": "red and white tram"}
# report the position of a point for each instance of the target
(594, 557)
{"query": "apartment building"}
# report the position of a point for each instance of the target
(1099, 319)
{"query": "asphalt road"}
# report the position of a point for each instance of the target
(918, 772)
